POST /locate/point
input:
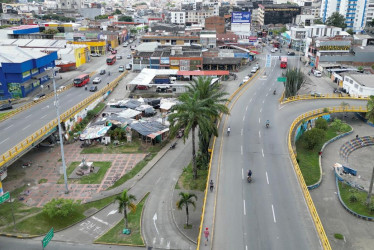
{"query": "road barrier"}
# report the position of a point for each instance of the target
(33, 103)
(26, 143)
(312, 209)
(210, 164)
(319, 96)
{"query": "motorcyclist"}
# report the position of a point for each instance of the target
(228, 130)
(211, 185)
(267, 123)
(275, 91)
(249, 175)
(108, 73)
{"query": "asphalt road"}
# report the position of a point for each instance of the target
(270, 212)
(24, 124)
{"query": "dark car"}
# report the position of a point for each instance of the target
(291, 53)
(93, 88)
(102, 72)
(6, 106)
(38, 97)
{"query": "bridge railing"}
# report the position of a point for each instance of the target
(312, 209)
(319, 96)
(26, 143)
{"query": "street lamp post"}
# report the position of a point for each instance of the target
(59, 132)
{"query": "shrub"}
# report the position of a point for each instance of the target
(313, 137)
(371, 207)
(353, 198)
(339, 236)
(339, 125)
(321, 124)
(60, 207)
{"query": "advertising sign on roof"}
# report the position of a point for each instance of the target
(241, 17)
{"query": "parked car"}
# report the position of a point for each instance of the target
(291, 53)
(275, 49)
(128, 66)
(254, 69)
(61, 88)
(93, 88)
(125, 44)
(246, 78)
(38, 97)
(128, 56)
(141, 87)
(6, 106)
(317, 73)
(121, 68)
(163, 89)
(315, 94)
(272, 50)
(95, 55)
(102, 72)
(118, 57)
(96, 80)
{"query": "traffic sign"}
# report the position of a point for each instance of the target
(282, 79)
(47, 238)
(268, 61)
(4, 197)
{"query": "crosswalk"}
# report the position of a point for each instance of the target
(161, 243)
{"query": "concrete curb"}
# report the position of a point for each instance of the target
(349, 210)
(316, 185)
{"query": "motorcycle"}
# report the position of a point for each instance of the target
(275, 92)
(172, 146)
(267, 125)
(228, 132)
(26, 164)
(249, 179)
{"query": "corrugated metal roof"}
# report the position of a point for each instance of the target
(204, 73)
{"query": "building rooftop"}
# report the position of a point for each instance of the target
(14, 54)
(363, 79)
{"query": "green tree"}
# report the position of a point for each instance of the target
(339, 126)
(60, 207)
(125, 201)
(318, 21)
(370, 108)
(283, 29)
(295, 79)
(321, 123)
(100, 17)
(125, 19)
(117, 12)
(336, 20)
(186, 199)
(350, 31)
(50, 31)
(360, 68)
(193, 111)
(313, 137)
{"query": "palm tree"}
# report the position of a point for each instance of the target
(185, 201)
(370, 108)
(195, 109)
(125, 201)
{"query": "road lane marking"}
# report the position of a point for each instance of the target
(272, 208)
(269, 89)
(241, 150)
(242, 174)
(250, 100)
(244, 207)
(100, 220)
(45, 107)
(260, 110)
(262, 152)
(259, 134)
(246, 108)
(26, 127)
(154, 221)
(28, 116)
(263, 101)
(9, 126)
(4, 140)
(267, 94)
(267, 178)
(43, 116)
(246, 247)
(112, 212)
(259, 120)
(241, 132)
(168, 245)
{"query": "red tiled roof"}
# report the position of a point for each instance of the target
(203, 73)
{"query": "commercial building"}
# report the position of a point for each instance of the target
(208, 39)
(216, 23)
(171, 39)
(280, 13)
(359, 84)
(241, 23)
(178, 17)
(356, 12)
(23, 70)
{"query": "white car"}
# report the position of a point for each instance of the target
(254, 69)
(317, 73)
(246, 78)
(128, 56)
(275, 49)
(96, 80)
(95, 55)
(272, 50)
(125, 44)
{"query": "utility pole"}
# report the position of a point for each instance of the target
(60, 133)
(370, 188)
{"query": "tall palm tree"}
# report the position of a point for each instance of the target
(185, 201)
(197, 109)
(370, 107)
(125, 201)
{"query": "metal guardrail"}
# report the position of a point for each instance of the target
(33, 103)
(312, 209)
(319, 96)
(13, 152)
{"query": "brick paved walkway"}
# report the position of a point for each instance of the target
(45, 165)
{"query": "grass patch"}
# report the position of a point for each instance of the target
(133, 171)
(339, 236)
(89, 179)
(41, 223)
(59, 160)
(359, 206)
(115, 235)
(4, 114)
(42, 181)
(20, 209)
(187, 226)
(308, 159)
(187, 182)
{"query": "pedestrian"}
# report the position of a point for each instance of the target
(320, 153)
(206, 234)
(48, 86)
(9, 101)
(356, 136)
(211, 185)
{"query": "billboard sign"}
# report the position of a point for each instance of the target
(241, 17)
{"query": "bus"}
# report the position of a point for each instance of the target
(111, 60)
(81, 80)
(283, 63)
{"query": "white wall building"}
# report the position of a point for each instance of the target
(356, 12)
(178, 17)
(359, 84)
